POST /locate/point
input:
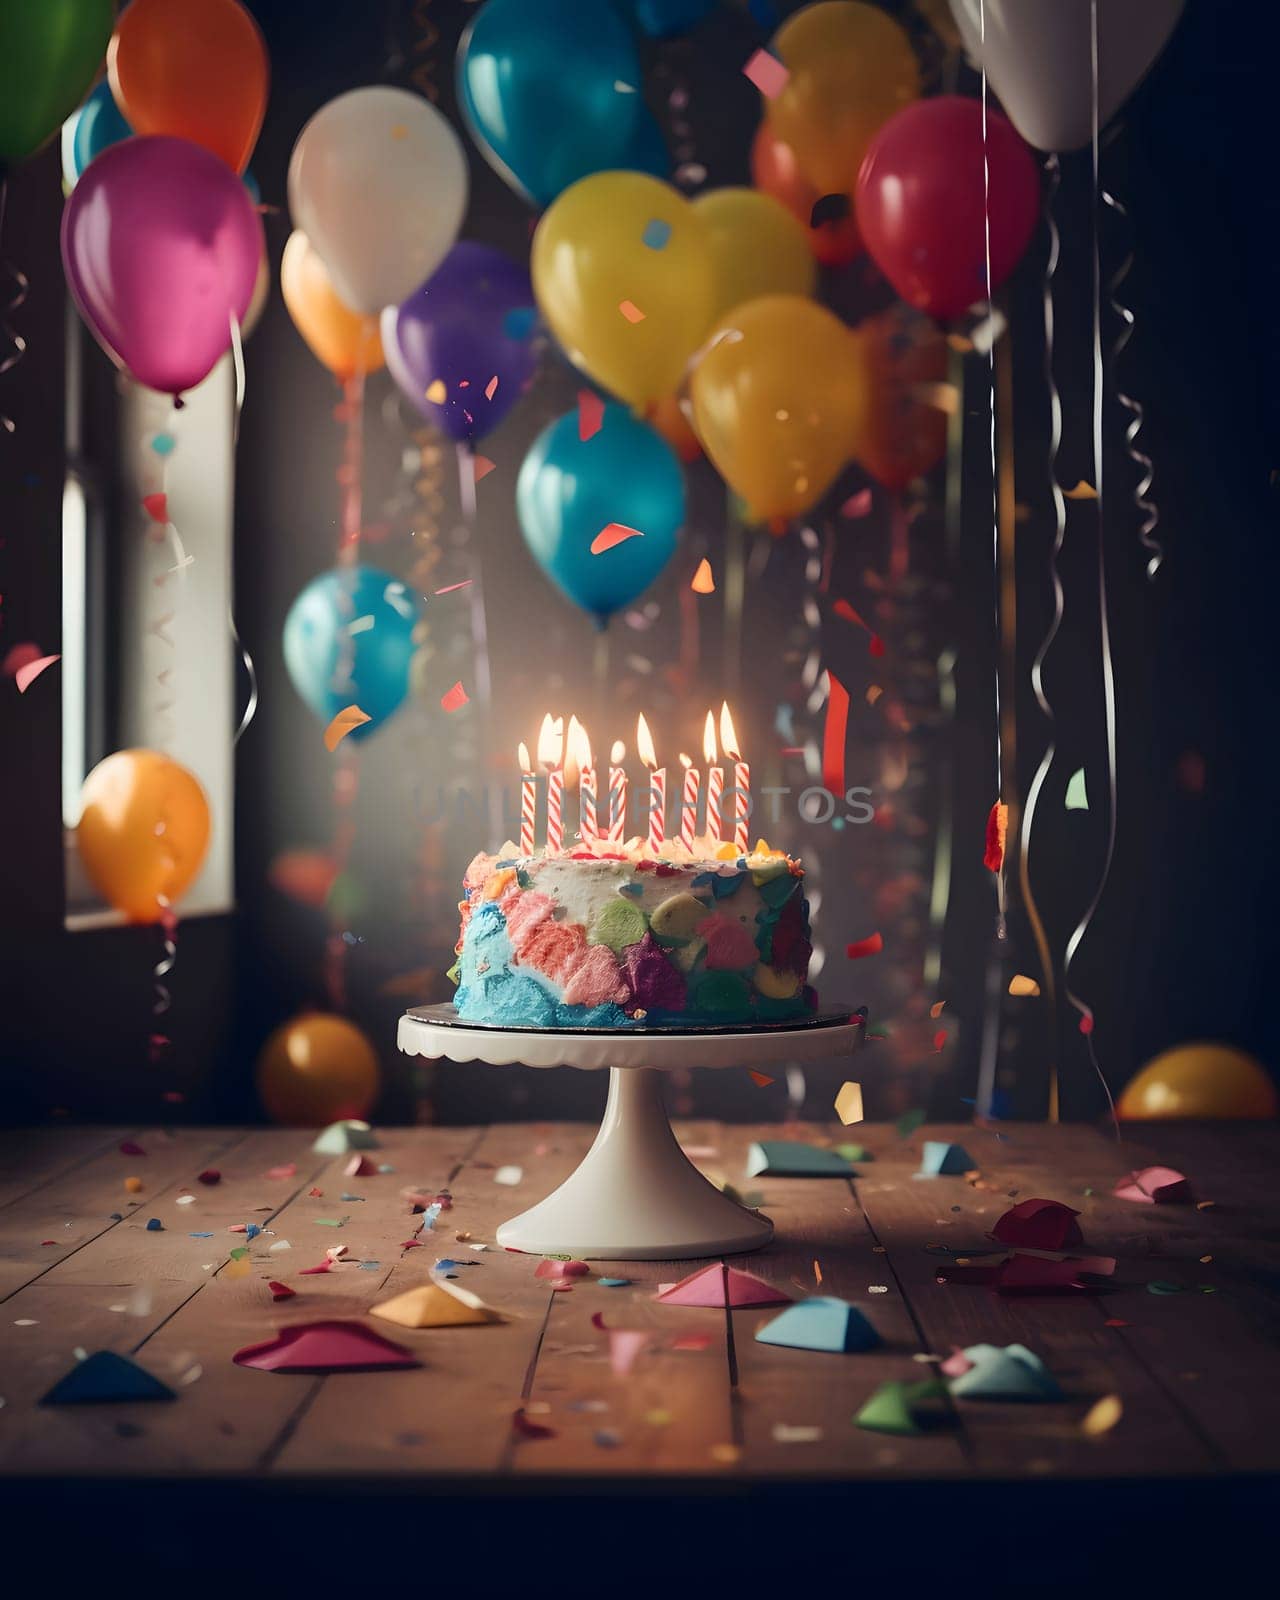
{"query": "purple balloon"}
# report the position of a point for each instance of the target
(161, 245)
(470, 323)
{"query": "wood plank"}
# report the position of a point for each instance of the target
(31, 1157)
(454, 1415)
(1068, 1332)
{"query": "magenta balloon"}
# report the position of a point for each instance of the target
(161, 245)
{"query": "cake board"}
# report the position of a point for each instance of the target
(635, 1196)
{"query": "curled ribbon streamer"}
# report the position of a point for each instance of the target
(12, 344)
(1108, 667)
(427, 36)
(1148, 511)
(246, 660)
(1053, 168)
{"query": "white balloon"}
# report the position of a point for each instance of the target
(378, 183)
(1038, 58)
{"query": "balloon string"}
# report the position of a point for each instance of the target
(427, 37)
(12, 344)
(1148, 511)
(159, 1043)
(246, 660)
(479, 623)
(1054, 171)
(350, 473)
(1108, 670)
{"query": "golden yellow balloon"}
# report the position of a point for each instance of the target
(623, 273)
(317, 1069)
(850, 68)
(1202, 1079)
(143, 833)
(778, 400)
(757, 246)
(339, 337)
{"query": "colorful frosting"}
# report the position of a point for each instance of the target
(604, 939)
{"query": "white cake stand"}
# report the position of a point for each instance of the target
(636, 1196)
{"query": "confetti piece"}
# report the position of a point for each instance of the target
(1086, 1025)
(1077, 794)
(631, 311)
(935, 1010)
(281, 1291)
(436, 392)
(997, 828)
(614, 533)
(842, 608)
(848, 1104)
(454, 699)
(939, 1041)
(450, 588)
(527, 1428)
(210, 1175)
(874, 692)
(590, 414)
(875, 646)
(767, 73)
(1020, 984)
(762, 1080)
(156, 506)
(943, 397)
(1082, 491)
(491, 388)
(154, 1225)
(817, 1272)
(870, 946)
(346, 721)
(656, 233)
(703, 581)
(163, 444)
(834, 731)
(26, 675)
(481, 466)
(509, 1176)
(857, 505)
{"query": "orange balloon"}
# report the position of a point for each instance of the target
(775, 171)
(196, 69)
(144, 830)
(902, 433)
(666, 417)
(342, 339)
(317, 1069)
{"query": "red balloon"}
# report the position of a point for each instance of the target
(920, 203)
(774, 171)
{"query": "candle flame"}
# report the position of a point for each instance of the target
(617, 753)
(577, 752)
(550, 742)
(709, 738)
(644, 744)
(685, 762)
(523, 757)
(728, 737)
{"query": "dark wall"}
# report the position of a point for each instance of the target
(1181, 944)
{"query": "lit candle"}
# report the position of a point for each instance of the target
(578, 759)
(528, 801)
(550, 742)
(715, 780)
(657, 786)
(741, 781)
(617, 793)
(689, 803)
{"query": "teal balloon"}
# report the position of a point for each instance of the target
(95, 127)
(648, 151)
(664, 19)
(569, 491)
(318, 631)
(550, 91)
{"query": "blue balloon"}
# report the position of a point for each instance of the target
(569, 491)
(333, 664)
(550, 91)
(664, 19)
(95, 127)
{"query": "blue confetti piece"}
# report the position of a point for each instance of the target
(163, 444)
(358, 1197)
(370, 1266)
(656, 233)
(154, 1225)
(519, 322)
(385, 1166)
(252, 1230)
(199, 1236)
(635, 889)
(612, 1283)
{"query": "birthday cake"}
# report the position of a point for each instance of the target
(605, 937)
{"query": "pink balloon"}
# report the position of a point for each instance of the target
(161, 245)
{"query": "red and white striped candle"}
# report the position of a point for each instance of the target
(715, 780)
(550, 744)
(617, 794)
(741, 781)
(657, 788)
(689, 803)
(528, 801)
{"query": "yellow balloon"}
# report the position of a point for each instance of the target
(340, 338)
(757, 246)
(778, 399)
(850, 68)
(623, 273)
(1200, 1080)
(317, 1069)
(144, 829)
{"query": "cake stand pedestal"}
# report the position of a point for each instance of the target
(636, 1196)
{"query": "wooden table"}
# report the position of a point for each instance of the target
(707, 1409)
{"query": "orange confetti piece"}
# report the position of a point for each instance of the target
(482, 467)
(631, 311)
(454, 699)
(491, 388)
(1082, 491)
(817, 1272)
(762, 1080)
(347, 721)
(26, 675)
(1020, 984)
(614, 534)
(874, 691)
(436, 392)
(703, 581)
(842, 608)
(997, 830)
(935, 1010)
(590, 414)
(872, 945)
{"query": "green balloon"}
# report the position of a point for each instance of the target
(50, 52)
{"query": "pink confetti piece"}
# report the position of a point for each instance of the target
(872, 945)
(25, 676)
(156, 506)
(449, 588)
(767, 73)
(482, 467)
(454, 699)
(614, 534)
(857, 505)
(590, 414)
(491, 388)
(631, 311)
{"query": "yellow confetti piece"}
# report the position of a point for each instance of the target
(631, 311)
(1020, 984)
(346, 721)
(958, 342)
(1205, 1260)
(1102, 1416)
(703, 582)
(762, 1080)
(849, 1103)
(727, 1454)
(935, 1010)
(944, 397)
(874, 693)
(1082, 491)
(1205, 1205)
(436, 392)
